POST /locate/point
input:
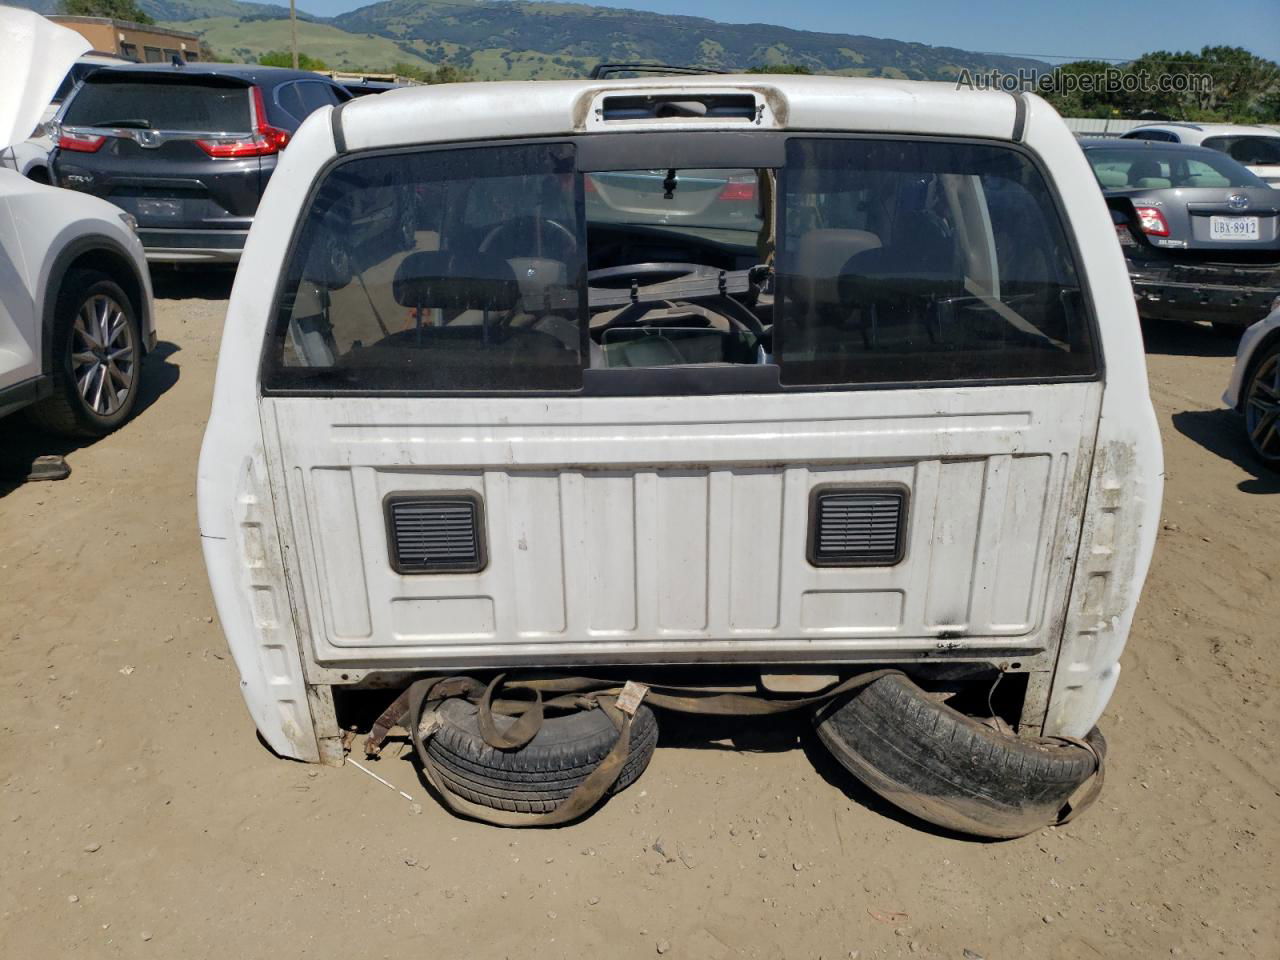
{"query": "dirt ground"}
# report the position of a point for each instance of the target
(141, 817)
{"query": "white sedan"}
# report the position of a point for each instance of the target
(75, 295)
(1254, 389)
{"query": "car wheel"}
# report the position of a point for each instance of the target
(97, 351)
(949, 769)
(1262, 407)
(539, 776)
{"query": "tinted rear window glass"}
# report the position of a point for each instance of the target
(913, 261)
(1252, 150)
(503, 268)
(1154, 168)
(445, 270)
(187, 106)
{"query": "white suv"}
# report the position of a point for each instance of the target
(75, 295)
(892, 415)
(1257, 147)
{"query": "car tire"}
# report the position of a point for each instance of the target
(1261, 406)
(95, 383)
(947, 768)
(537, 777)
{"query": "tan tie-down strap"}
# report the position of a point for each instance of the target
(619, 702)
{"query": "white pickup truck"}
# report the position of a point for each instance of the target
(513, 380)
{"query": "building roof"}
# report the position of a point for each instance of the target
(127, 25)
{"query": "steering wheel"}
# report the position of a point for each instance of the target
(645, 274)
(562, 235)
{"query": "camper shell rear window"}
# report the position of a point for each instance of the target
(802, 262)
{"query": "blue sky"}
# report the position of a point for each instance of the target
(1076, 29)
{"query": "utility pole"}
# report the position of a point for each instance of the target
(293, 30)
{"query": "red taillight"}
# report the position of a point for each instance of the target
(739, 192)
(265, 141)
(254, 146)
(81, 142)
(589, 183)
(1152, 221)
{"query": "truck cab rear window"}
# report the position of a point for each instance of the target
(444, 270)
(920, 261)
(504, 268)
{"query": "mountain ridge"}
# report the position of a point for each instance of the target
(526, 39)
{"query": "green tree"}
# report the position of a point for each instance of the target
(445, 73)
(283, 58)
(115, 9)
(1218, 83)
(423, 74)
(780, 68)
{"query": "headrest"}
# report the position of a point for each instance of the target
(1110, 177)
(452, 281)
(1145, 170)
(822, 252)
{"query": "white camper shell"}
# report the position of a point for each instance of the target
(803, 374)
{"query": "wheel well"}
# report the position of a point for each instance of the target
(120, 270)
(39, 174)
(1269, 342)
(92, 252)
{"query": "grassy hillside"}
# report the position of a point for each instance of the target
(241, 40)
(523, 40)
(579, 32)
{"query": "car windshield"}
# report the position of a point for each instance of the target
(187, 105)
(1153, 168)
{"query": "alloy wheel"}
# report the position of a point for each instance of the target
(104, 356)
(1262, 409)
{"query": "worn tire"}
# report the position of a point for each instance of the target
(65, 411)
(949, 769)
(540, 775)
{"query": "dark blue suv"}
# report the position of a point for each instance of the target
(186, 149)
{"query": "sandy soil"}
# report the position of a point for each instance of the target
(140, 816)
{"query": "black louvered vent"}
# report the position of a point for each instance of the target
(440, 534)
(856, 527)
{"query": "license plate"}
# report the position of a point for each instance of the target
(173, 208)
(1233, 228)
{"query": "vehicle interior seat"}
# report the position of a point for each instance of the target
(819, 260)
(1148, 174)
(1111, 177)
(893, 291)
